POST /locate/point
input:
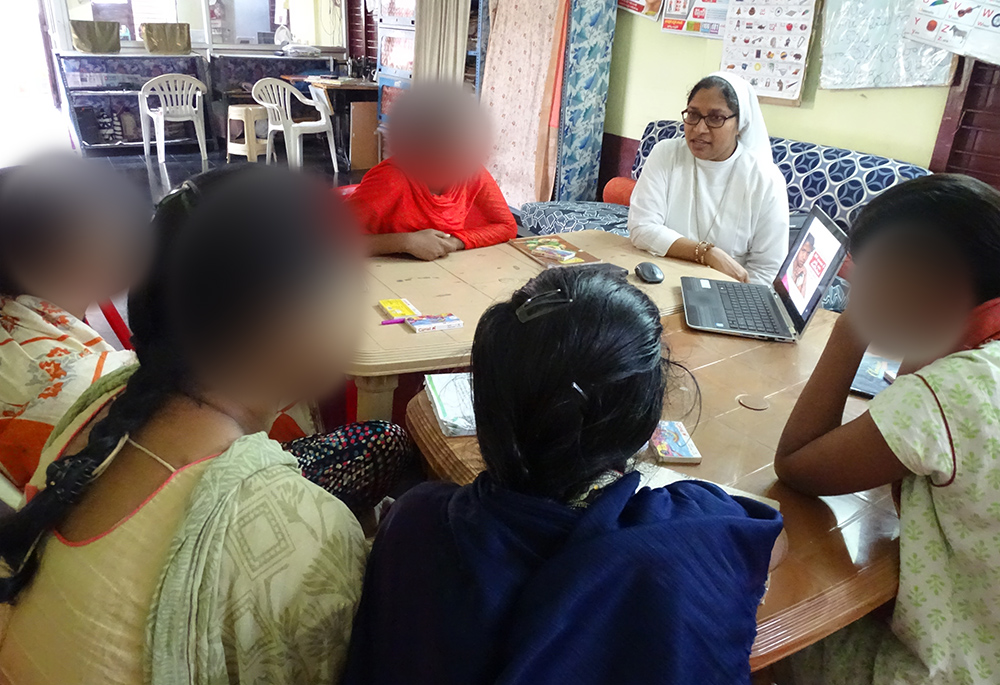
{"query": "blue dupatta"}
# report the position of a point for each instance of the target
(482, 585)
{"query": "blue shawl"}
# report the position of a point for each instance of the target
(479, 584)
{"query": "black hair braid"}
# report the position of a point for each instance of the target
(160, 373)
(68, 478)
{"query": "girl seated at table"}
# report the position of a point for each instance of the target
(172, 541)
(72, 233)
(433, 196)
(550, 567)
(715, 196)
(925, 287)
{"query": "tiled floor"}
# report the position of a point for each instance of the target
(183, 163)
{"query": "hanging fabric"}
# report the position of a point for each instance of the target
(442, 40)
(519, 93)
(589, 37)
(548, 131)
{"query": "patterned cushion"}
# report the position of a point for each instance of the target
(545, 218)
(838, 181)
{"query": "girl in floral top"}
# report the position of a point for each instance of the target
(927, 288)
(72, 233)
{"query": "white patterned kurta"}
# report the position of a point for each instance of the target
(947, 619)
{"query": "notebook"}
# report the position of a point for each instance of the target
(451, 399)
(874, 375)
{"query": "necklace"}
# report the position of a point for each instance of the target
(705, 236)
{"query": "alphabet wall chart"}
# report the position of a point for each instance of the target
(766, 42)
(965, 27)
(864, 47)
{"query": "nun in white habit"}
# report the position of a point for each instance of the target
(715, 196)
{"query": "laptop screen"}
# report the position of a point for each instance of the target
(810, 267)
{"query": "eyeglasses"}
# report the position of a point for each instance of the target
(542, 304)
(711, 120)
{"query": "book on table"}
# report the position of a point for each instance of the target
(553, 251)
(874, 375)
(451, 399)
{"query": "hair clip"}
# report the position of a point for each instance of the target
(577, 387)
(66, 479)
(542, 304)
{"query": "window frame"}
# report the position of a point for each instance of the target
(58, 13)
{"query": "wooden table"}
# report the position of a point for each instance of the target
(465, 283)
(843, 552)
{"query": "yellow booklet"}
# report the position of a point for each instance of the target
(398, 309)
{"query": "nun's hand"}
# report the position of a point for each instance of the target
(721, 261)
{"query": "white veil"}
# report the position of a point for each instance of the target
(753, 131)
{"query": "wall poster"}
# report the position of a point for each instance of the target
(965, 27)
(766, 42)
(704, 18)
(864, 47)
(644, 8)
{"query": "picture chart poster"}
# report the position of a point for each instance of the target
(965, 27)
(644, 8)
(766, 42)
(705, 18)
(864, 46)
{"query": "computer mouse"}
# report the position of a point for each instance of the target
(649, 272)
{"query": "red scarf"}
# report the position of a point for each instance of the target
(983, 326)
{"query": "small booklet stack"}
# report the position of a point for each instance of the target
(550, 251)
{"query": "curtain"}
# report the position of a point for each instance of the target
(589, 35)
(442, 40)
(547, 155)
(520, 90)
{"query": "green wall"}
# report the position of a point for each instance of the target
(651, 72)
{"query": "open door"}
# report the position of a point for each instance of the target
(969, 137)
(30, 107)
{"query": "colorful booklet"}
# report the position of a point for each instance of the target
(552, 251)
(671, 444)
(874, 375)
(398, 309)
(433, 322)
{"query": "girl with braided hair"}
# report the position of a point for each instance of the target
(550, 567)
(173, 542)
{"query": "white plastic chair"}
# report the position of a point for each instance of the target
(277, 96)
(181, 99)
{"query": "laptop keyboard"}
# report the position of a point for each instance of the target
(748, 308)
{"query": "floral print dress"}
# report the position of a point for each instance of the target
(943, 424)
(48, 357)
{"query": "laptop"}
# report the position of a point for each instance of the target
(781, 310)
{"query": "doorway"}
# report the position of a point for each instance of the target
(30, 120)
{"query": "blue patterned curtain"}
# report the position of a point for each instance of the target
(584, 97)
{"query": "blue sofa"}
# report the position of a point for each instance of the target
(839, 181)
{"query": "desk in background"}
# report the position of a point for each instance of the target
(843, 552)
(466, 283)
